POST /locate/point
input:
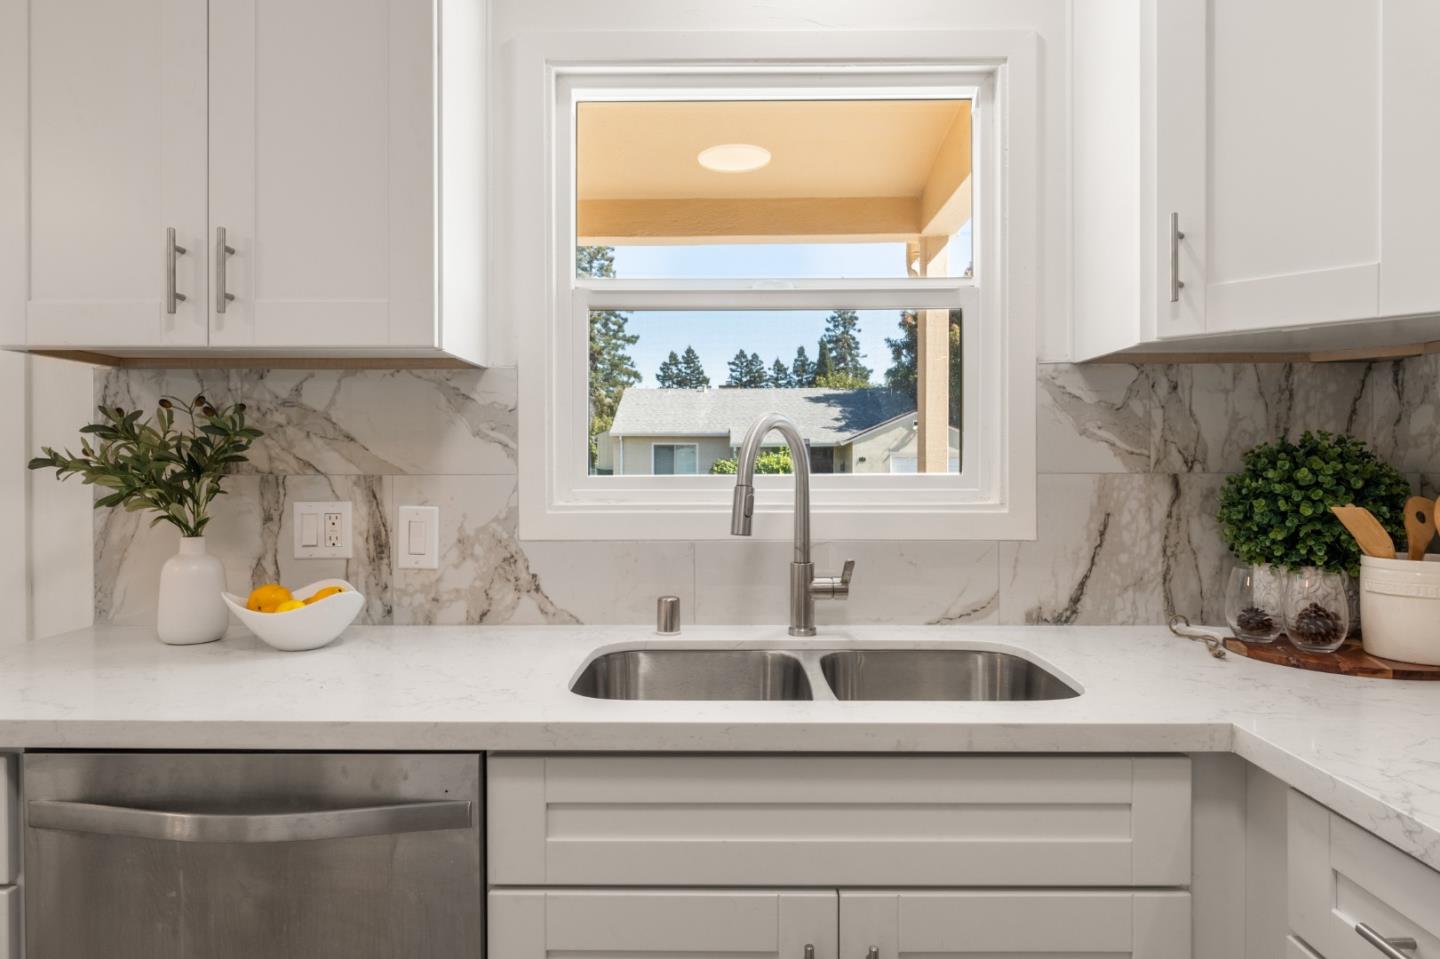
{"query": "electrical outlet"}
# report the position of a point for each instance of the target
(323, 531)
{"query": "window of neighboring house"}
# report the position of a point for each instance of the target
(673, 459)
(827, 242)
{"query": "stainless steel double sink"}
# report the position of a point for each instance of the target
(933, 675)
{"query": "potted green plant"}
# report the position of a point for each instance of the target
(172, 464)
(1275, 513)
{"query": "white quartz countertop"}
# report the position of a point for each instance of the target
(1368, 748)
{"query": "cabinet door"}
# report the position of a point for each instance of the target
(645, 923)
(1032, 925)
(1289, 166)
(116, 116)
(1410, 190)
(322, 172)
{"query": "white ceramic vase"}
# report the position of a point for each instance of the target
(191, 610)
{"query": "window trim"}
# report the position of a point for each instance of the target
(557, 502)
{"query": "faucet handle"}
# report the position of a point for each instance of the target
(834, 587)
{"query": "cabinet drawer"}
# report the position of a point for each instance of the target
(829, 820)
(921, 924)
(1341, 877)
(753, 924)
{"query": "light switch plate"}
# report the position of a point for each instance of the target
(323, 531)
(418, 531)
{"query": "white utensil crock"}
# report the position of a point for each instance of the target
(190, 609)
(1400, 609)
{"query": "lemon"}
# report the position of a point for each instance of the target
(288, 605)
(264, 599)
(322, 593)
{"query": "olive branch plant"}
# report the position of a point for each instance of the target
(171, 464)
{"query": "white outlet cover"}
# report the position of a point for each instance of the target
(418, 533)
(310, 529)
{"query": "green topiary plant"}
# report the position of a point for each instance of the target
(172, 469)
(1277, 511)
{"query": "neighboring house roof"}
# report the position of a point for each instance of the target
(824, 417)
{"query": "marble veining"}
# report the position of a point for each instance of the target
(1131, 460)
(1367, 748)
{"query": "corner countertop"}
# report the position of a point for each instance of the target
(1368, 748)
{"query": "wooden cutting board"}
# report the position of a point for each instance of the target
(1349, 660)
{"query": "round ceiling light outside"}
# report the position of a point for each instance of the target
(734, 157)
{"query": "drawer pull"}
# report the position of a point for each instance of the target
(1389, 948)
(874, 953)
(809, 950)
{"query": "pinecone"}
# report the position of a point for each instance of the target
(1254, 621)
(1315, 626)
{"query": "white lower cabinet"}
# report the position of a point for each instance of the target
(911, 924)
(10, 922)
(1349, 890)
(619, 923)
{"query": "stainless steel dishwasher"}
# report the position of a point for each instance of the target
(273, 855)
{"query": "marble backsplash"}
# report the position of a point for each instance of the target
(1131, 460)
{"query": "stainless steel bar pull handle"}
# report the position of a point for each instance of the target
(248, 827)
(223, 252)
(874, 953)
(809, 950)
(1176, 284)
(172, 250)
(1392, 948)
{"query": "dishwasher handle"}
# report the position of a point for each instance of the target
(344, 823)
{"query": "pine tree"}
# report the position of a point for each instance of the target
(780, 376)
(842, 340)
(824, 363)
(692, 370)
(682, 372)
(611, 367)
(746, 371)
(668, 376)
(802, 371)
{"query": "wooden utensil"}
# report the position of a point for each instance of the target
(1419, 526)
(1366, 529)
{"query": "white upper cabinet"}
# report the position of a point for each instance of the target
(1410, 130)
(310, 134)
(1274, 175)
(116, 116)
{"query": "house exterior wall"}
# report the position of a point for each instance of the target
(872, 453)
(635, 460)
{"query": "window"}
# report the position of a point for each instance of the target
(727, 236)
(673, 459)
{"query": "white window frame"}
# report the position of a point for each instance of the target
(993, 499)
(674, 445)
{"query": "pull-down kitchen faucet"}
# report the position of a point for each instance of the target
(805, 586)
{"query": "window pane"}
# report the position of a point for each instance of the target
(674, 392)
(873, 188)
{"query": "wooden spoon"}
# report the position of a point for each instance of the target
(1366, 529)
(1419, 526)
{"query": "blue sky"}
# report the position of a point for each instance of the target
(771, 333)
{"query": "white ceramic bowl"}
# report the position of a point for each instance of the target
(308, 628)
(1400, 609)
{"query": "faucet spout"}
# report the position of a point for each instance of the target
(805, 587)
(742, 508)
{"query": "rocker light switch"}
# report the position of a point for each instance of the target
(419, 529)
